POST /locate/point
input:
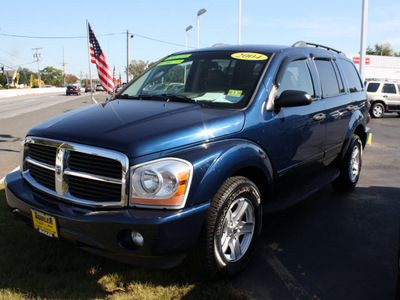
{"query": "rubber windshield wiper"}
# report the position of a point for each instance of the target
(181, 98)
(126, 96)
(143, 97)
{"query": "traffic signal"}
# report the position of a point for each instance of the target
(2, 70)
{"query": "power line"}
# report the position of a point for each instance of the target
(84, 37)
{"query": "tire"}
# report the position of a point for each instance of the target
(398, 114)
(377, 110)
(232, 228)
(351, 166)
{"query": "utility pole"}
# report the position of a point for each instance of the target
(38, 56)
(64, 66)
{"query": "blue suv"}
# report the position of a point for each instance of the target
(155, 174)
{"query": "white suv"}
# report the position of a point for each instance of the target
(384, 96)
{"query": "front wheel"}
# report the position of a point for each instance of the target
(232, 227)
(351, 166)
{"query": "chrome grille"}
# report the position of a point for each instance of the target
(77, 173)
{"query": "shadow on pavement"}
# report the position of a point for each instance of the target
(331, 246)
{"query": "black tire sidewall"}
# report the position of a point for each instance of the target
(373, 110)
(232, 189)
(344, 182)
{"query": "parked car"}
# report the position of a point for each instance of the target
(149, 178)
(88, 88)
(384, 96)
(99, 88)
(73, 90)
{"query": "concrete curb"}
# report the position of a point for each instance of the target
(27, 92)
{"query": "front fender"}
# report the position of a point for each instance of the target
(217, 161)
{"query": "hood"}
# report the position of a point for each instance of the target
(141, 127)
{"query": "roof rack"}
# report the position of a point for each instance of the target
(305, 44)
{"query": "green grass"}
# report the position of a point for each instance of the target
(33, 266)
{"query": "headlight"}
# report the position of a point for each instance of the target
(161, 183)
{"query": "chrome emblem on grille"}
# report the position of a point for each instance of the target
(58, 170)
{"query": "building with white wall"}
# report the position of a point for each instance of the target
(378, 67)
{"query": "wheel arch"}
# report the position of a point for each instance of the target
(378, 100)
(236, 158)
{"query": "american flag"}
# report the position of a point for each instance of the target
(97, 57)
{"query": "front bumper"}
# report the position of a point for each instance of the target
(168, 235)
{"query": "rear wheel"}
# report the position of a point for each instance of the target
(377, 110)
(232, 227)
(351, 166)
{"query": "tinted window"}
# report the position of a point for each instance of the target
(389, 88)
(297, 77)
(327, 77)
(352, 77)
(373, 87)
(339, 78)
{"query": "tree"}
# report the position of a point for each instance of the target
(3, 79)
(136, 67)
(52, 76)
(25, 75)
(70, 79)
(36, 83)
(382, 50)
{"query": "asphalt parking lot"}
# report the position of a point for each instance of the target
(336, 245)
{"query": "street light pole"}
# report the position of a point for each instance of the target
(186, 35)
(240, 23)
(199, 13)
(363, 46)
(127, 55)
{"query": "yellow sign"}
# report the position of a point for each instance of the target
(45, 224)
(235, 93)
(249, 56)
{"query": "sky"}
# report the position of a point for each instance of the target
(159, 28)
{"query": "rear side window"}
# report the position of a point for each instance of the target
(352, 77)
(373, 87)
(328, 78)
(389, 88)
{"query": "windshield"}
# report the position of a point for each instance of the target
(216, 79)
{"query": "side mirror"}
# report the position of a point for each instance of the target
(291, 98)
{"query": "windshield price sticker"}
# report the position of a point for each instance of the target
(249, 56)
(45, 224)
(235, 93)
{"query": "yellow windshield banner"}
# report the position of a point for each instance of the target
(171, 62)
(182, 56)
(249, 56)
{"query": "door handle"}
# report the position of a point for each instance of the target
(319, 117)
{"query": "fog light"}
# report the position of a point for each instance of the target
(137, 238)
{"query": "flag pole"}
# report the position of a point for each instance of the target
(90, 69)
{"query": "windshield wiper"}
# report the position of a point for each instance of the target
(163, 97)
(182, 98)
(126, 96)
